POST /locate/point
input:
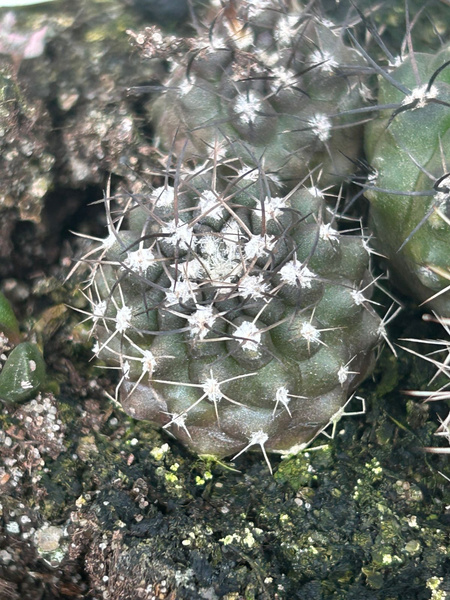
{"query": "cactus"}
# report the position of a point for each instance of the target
(235, 311)
(439, 357)
(236, 314)
(265, 81)
(409, 188)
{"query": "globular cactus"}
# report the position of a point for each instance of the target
(237, 314)
(268, 80)
(234, 309)
(408, 148)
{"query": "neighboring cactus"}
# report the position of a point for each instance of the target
(408, 148)
(237, 315)
(270, 83)
(440, 358)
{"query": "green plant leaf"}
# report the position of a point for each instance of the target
(8, 322)
(23, 373)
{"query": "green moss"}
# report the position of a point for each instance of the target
(357, 518)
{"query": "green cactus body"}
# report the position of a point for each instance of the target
(235, 311)
(409, 191)
(269, 84)
(237, 315)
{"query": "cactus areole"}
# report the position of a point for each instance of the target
(237, 313)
